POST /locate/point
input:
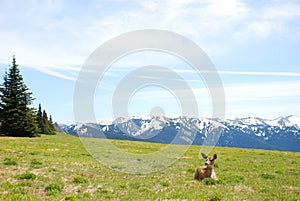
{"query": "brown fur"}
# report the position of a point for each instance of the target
(208, 170)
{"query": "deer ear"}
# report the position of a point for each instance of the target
(215, 156)
(204, 155)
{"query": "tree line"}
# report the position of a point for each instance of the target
(17, 117)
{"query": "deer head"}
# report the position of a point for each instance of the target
(209, 161)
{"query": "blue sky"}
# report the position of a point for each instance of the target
(254, 45)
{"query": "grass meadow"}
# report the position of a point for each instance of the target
(58, 167)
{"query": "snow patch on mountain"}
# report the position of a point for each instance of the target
(282, 133)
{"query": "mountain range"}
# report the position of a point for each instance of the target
(282, 133)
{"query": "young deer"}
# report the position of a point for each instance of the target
(208, 170)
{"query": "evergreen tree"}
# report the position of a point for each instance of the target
(40, 118)
(46, 127)
(16, 117)
(45, 124)
(51, 124)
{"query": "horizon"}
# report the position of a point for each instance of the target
(253, 46)
(148, 116)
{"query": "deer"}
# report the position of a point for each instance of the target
(207, 171)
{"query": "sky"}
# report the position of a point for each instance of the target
(254, 45)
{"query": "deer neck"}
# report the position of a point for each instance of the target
(210, 167)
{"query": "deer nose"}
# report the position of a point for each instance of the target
(206, 163)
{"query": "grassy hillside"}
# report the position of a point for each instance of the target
(59, 168)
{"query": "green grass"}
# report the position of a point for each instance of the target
(209, 181)
(9, 161)
(80, 179)
(53, 189)
(26, 175)
(58, 167)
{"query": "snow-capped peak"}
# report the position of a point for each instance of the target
(287, 121)
(282, 133)
(292, 120)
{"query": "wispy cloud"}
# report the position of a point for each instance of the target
(289, 74)
(241, 92)
(59, 33)
(56, 37)
(57, 74)
(269, 99)
(263, 91)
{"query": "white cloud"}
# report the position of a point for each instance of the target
(288, 74)
(227, 8)
(56, 74)
(263, 91)
(49, 33)
(267, 99)
(259, 73)
(270, 20)
(284, 10)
